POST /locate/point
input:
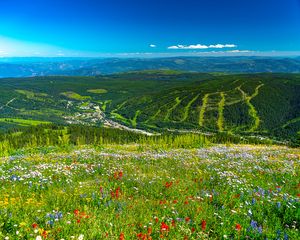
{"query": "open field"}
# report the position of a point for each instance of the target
(22, 122)
(141, 192)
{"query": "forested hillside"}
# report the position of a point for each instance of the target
(155, 101)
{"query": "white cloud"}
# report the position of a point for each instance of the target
(200, 46)
(197, 46)
(239, 51)
(152, 45)
(223, 46)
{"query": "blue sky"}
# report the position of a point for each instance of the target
(149, 28)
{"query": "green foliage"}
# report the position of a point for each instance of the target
(74, 96)
(259, 104)
(147, 192)
(97, 91)
(72, 135)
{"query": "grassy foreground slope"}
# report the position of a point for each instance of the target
(264, 104)
(142, 192)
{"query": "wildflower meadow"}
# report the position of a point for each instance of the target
(141, 192)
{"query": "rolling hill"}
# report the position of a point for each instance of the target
(247, 104)
(28, 67)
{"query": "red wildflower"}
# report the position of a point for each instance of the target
(149, 230)
(35, 225)
(76, 212)
(238, 227)
(168, 184)
(193, 229)
(122, 236)
(236, 195)
(203, 225)
(44, 234)
(118, 175)
(175, 201)
(78, 220)
(116, 193)
(164, 227)
(298, 195)
(82, 214)
(173, 223)
(187, 219)
(140, 235)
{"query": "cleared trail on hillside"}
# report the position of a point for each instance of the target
(170, 110)
(203, 108)
(291, 122)
(187, 108)
(7, 104)
(154, 116)
(252, 111)
(134, 119)
(220, 121)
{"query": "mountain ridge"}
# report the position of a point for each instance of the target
(105, 66)
(261, 104)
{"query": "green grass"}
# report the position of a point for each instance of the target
(30, 94)
(134, 120)
(220, 112)
(144, 192)
(97, 91)
(187, 108)
(252, 111)
(104, 105)
(119, 117)
(202, 109)
(23, 122)
(154, 116)
(74, 96)
(169, 111)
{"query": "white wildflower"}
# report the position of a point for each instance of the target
(80, 237)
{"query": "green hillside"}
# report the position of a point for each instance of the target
(248, 104)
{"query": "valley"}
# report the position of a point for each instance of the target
(260, 104)
(149, 120)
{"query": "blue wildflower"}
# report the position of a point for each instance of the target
(278, 204)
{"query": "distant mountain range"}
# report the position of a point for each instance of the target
(28, 67)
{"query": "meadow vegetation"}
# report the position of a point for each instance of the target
(137, 191)
(150, 155)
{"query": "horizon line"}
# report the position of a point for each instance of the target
(165, 54)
